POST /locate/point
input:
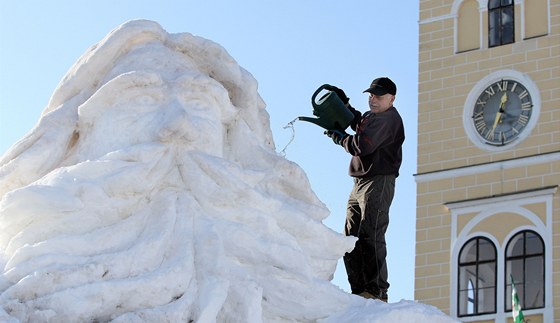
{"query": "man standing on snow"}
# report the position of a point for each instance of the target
(376, 150)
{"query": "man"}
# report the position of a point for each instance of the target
(376, 150)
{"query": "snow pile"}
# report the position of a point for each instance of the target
(150, 191)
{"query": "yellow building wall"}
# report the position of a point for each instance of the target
(446, 75)
(445, 79)
(468, 26)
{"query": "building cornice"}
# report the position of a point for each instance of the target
(488, 167)
(550, 190)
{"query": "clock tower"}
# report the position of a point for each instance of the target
(488, 168)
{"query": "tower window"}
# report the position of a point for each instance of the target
(501, 29)
(477, 277)
(525, 263)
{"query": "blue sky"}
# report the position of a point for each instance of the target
(291, 47)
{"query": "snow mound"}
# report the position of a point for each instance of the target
(150, 191)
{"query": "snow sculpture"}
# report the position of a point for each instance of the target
(150, 190)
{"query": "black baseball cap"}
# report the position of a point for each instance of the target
(381, 86)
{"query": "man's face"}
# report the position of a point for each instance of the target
(380, 103)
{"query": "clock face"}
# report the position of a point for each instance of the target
(502, 112)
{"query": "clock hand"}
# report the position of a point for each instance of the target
(503, 102)
(496, 120)
(501, 111)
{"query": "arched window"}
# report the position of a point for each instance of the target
(477, 277)
(500, 22)
(525, 263)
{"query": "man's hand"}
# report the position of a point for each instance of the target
(337, 136)
(338, 92)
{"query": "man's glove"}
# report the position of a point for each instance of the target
(337, 136)
(338, 92)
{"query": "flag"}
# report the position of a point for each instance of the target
(515, 306)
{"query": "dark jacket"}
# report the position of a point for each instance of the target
(376, 148)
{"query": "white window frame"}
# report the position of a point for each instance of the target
(485, 208)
